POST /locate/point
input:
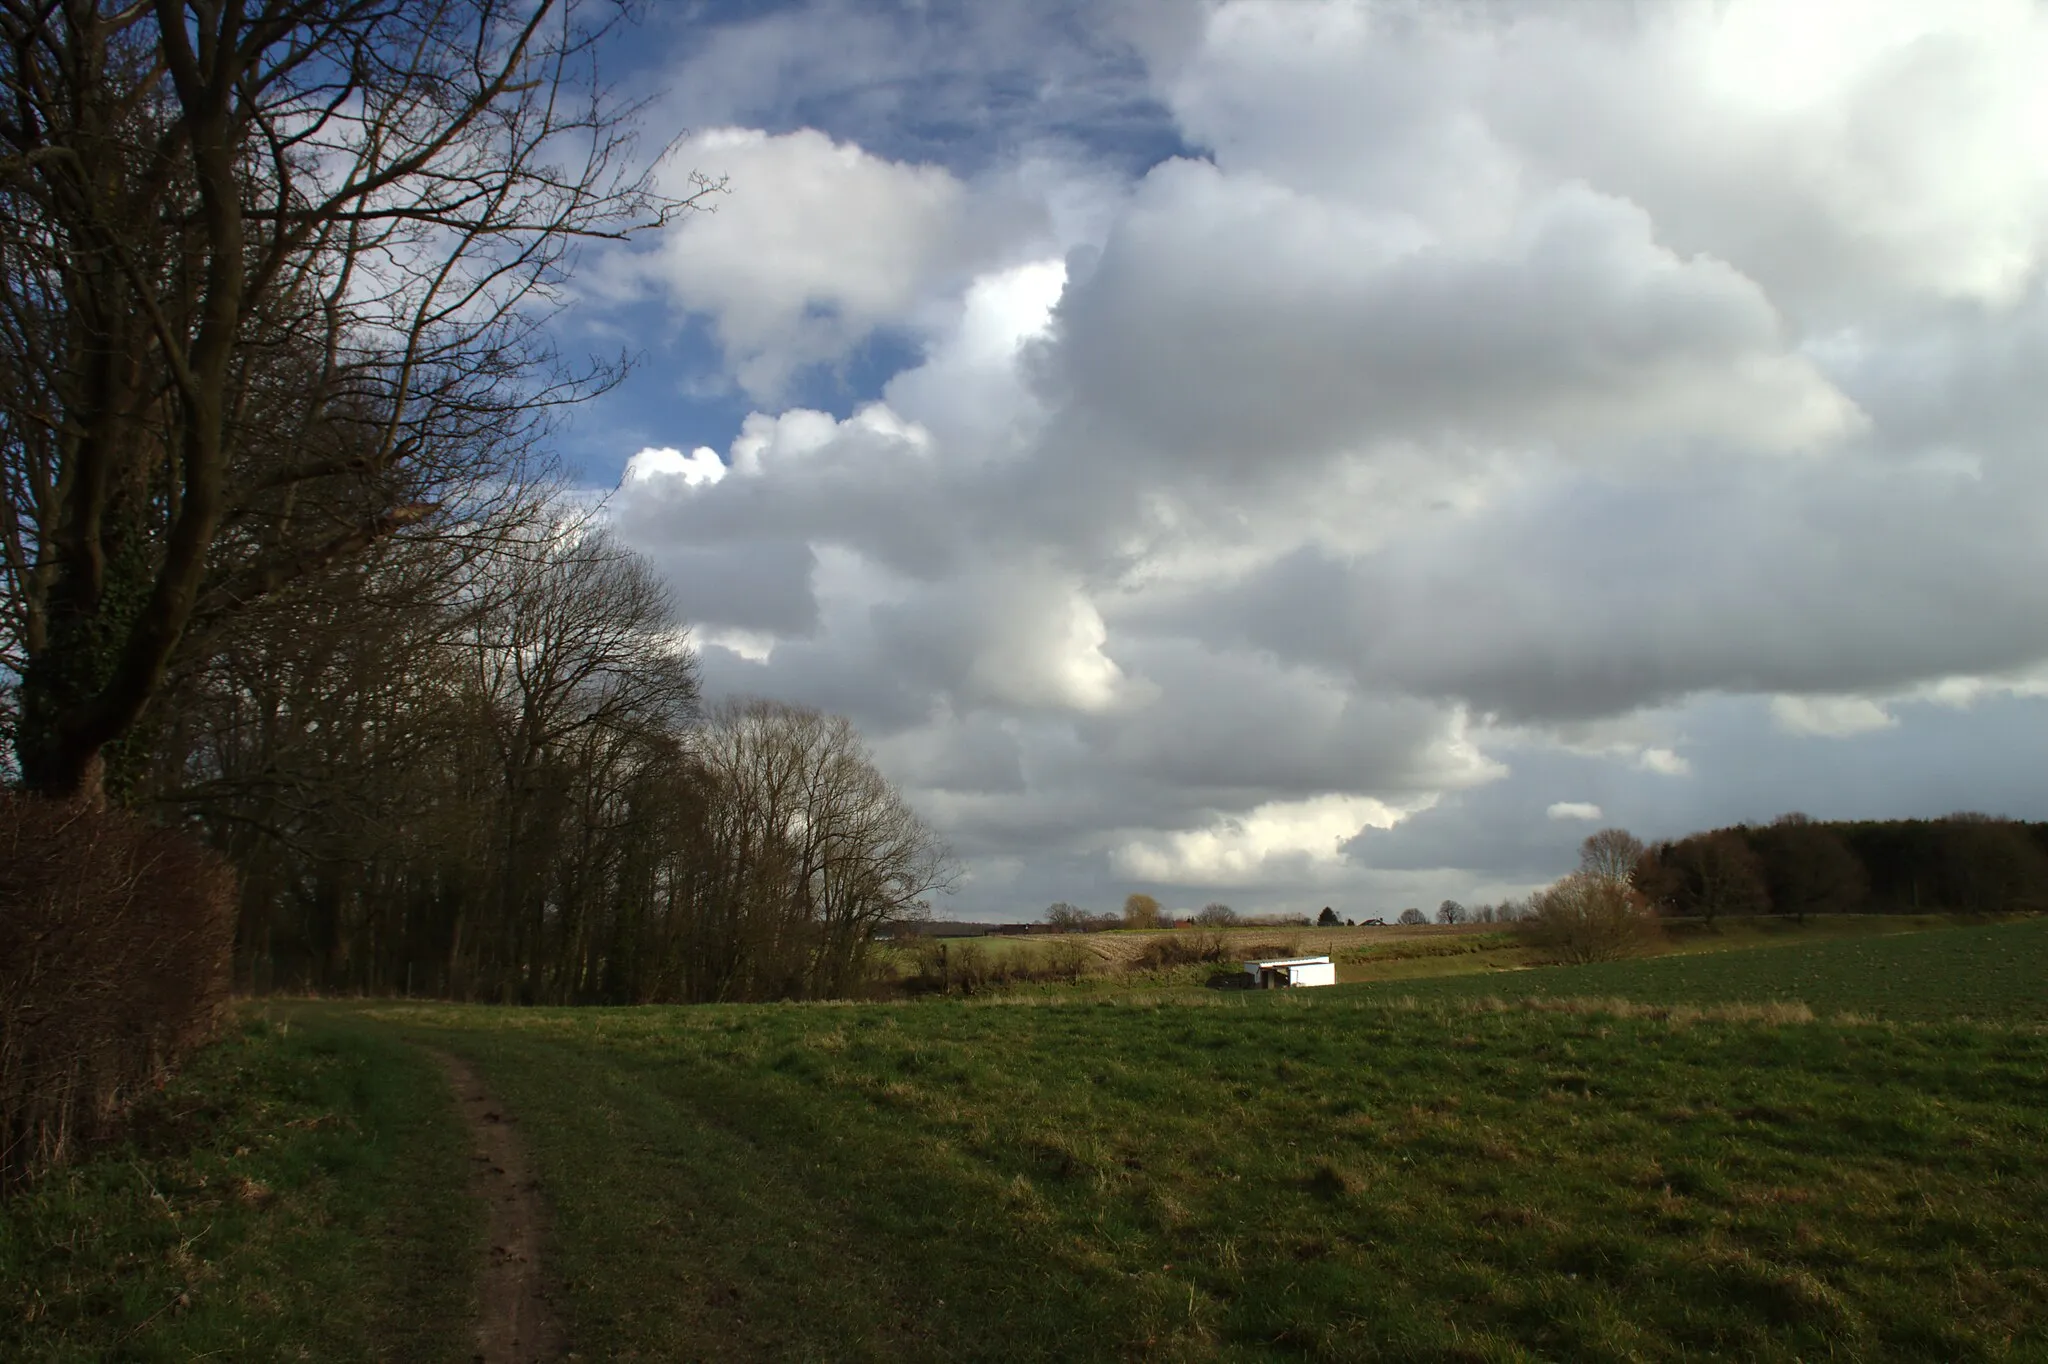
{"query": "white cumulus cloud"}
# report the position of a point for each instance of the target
(1468, 403)
(817, 244)
(1831, 717)
(1288, 840)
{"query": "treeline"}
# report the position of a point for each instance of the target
(1142, 911)
(480, 771)
(475, 766)
(1964, 863)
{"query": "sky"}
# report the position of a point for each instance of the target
(1300, 454)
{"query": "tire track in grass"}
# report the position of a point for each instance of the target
(516, 1322)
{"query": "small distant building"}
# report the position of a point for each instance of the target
(1283, 973)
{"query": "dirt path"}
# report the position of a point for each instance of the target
(516, 1324)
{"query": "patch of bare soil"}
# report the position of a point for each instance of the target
(516, 1323)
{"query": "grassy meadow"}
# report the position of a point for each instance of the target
(299, 1193)
(1991, 972)
(1825, 1149)
(1339, 1174)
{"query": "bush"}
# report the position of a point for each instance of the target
(116, 943)
(1179, 949)
(1065, 961)
(969, 968)
(1589, 917)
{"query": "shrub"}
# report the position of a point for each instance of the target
(116, 943)
(1065, 961)
(970, 967)
(1179, 949)
(1589, 917)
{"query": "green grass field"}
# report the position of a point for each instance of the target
(299, 1193)
(1404, 1170)
(1993, 971)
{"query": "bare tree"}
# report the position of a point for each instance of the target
(809, 854)
(581, 664)
(273, 277)
(1062, 917)
(1451, 912)
(1612, 853)
(1216, 915)
(1588, 916)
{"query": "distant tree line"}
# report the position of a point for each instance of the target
(1964, 863)
(1142, 911)
(1507, 911)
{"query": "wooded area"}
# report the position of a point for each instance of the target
(1967, 863)
(508, 792)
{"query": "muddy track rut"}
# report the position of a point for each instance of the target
(516, 1323)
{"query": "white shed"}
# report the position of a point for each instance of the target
(1287, 972)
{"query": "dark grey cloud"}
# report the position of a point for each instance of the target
(1586, 595)
(762, 585)
(1235, 728)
